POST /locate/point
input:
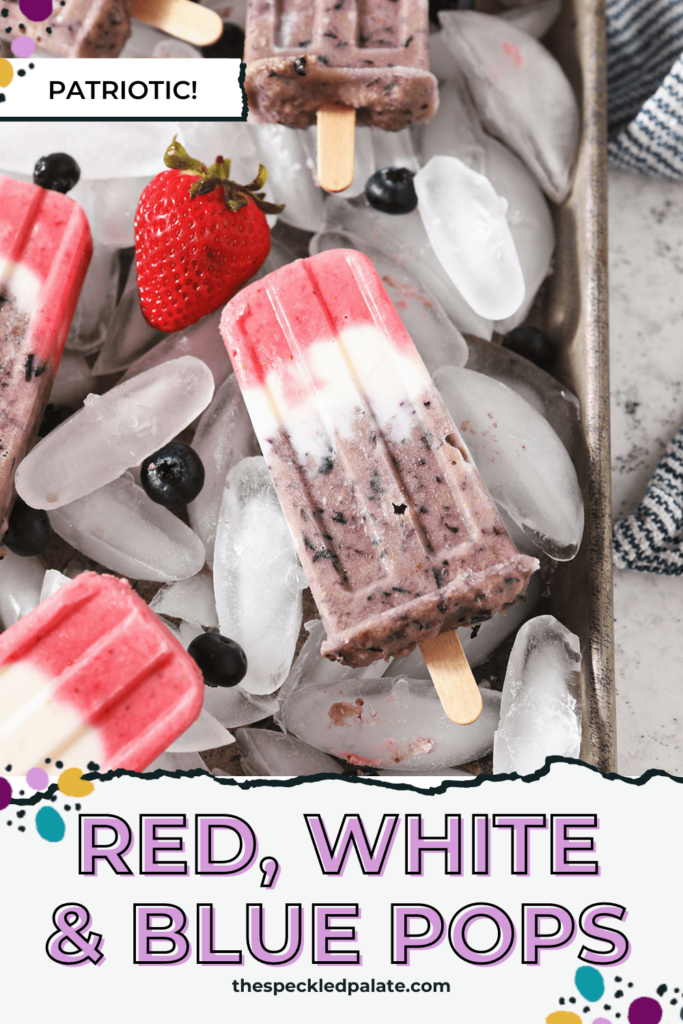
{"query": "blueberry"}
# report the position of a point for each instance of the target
(222, 661)
(391, 190)
(531, 343)
(29, 530)
(172, 476)
(58, 172)
(53, 416)
(230, 44)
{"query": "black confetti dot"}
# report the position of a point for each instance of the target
(9, 822)
(21, 814)
(77, 806)
(5, 12)
(8, 29)
(67, 807)
(48, 760)
(2, 97)
(607, 1006)
(21, 792)
(661, 989)
(49, 31)
(586, 1009)
(571, 999)
(673, 1002)
(22, 828)
(630, 984)
(59, 764)
(31, 66)
(617, 979)
(618, 994)
(53, 798)
(21, 73)
(561, 1000)
(8, 767)
(93, 767)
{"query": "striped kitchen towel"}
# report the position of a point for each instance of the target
(645, 86)
(651, 540)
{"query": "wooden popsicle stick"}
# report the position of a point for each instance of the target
(452, 677)
(336, 138)
(181, 18)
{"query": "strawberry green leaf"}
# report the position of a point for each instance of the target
(178, 159)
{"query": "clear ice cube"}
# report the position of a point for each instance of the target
(540, 713)
(191, 599)
(21, 580)
(265, 752)
(257, 577)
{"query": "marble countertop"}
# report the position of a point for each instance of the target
(646, 364)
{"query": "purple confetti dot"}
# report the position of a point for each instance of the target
(23, 46)
(5, 794)
(601, 1020)
(37, 778)
(36, 10)
(644, 1011)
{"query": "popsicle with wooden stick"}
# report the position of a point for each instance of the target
(100, 28)
(338, 64)
(398, 536)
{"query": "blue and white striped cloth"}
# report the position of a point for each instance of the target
(645, 93)
(645, 86)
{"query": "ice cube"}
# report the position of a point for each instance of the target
(285, 153)
(437, 340)
(386, 722)
(310, 668)
(405, 240)
(170, 762)
(190, 599)
(73, 380)
(233, 707)
(114, 431)
(363, 160)
(97, 301)
(122, 529)
(114, 203)
(202, 340)
(223, 437)
(535, 18)
(265, 752)
(257, 577)
(522, 460)
(204, 734)
(128, 334)
(540, 713)
(394, 149)
(466, 222)
(455, 131)
(52, 582)
(505, 68)
(21, 580)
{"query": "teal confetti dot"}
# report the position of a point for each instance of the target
(50, 824)
(590, 983)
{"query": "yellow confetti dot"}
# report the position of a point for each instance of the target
(563, 1017)
(72, 783)
(6, 72)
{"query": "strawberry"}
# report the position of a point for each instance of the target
(198, 238)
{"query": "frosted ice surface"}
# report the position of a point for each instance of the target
(286, 155)
(405, 240)
(73, 380)
(97, 300)
(171, 762)
(394, 149)
(114, 431)
(201, 340)
(204, 734)
(383, 723)
(535, 18)
(114, 204)
(504, 67)
(128, 334)
(122, 529)
(540, 711)
(169, 47)
(437, 340)
(467, 226)
(265, 752)
(21, 580)
(191, 599)
(522, 460)
(233, 707)
(257, 577)
(310, 668)
(455, 131)
(52, 582)
(223, 437)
